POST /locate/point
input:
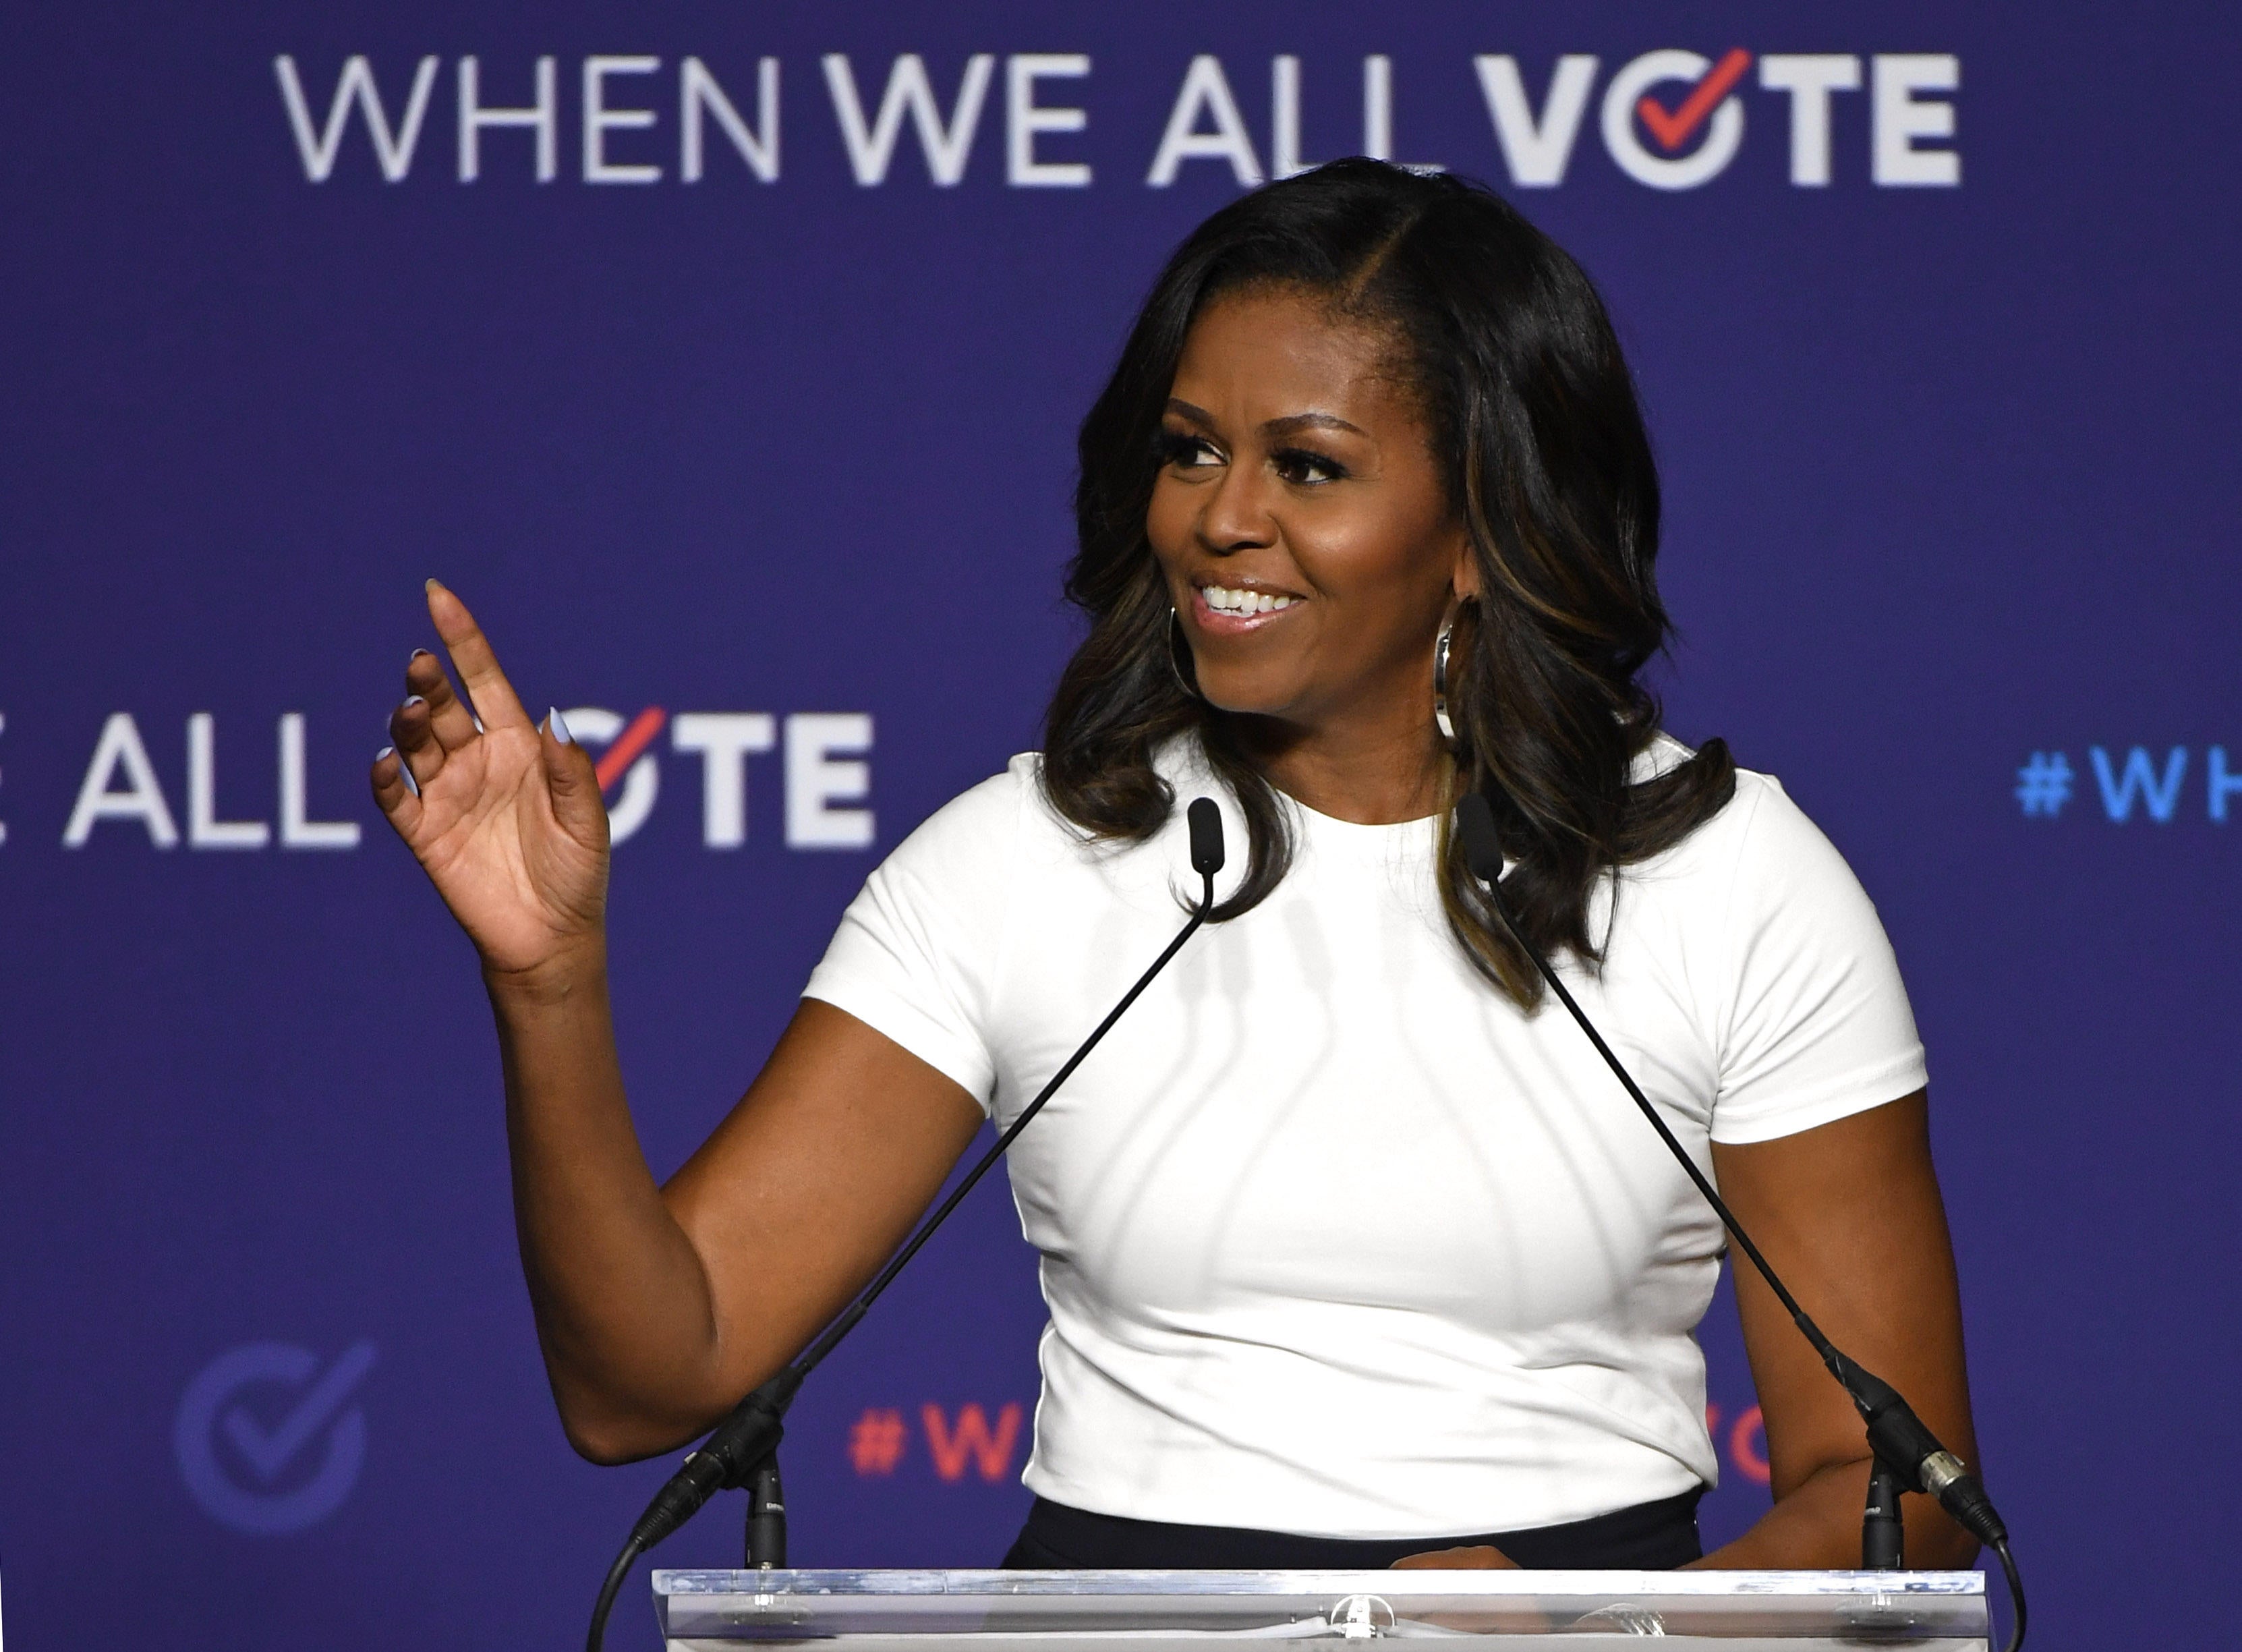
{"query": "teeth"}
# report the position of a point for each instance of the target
(1224, 601)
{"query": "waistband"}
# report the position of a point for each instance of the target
(1657, 1536)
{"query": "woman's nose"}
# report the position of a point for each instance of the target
(1237, 514)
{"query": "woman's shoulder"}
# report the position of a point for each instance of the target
(981, 824)
(996, 799)
(1761, 835)
(989, 831)
(1781, 948)
(1758, 880)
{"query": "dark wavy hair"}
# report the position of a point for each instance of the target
(1544, 456)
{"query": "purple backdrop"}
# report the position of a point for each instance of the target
(1950, 483)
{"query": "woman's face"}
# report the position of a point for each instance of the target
(1298, 516)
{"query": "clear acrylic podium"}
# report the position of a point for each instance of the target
(1199, 1611)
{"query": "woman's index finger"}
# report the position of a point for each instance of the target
(491, 695)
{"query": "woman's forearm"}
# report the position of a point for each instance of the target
(1817, 1525)
(624, 1310)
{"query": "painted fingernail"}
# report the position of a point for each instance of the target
(559, 727)
(415, 700)
(404, 771)
(386, 751)
(416, 653)
(478, 723)
(430, 585)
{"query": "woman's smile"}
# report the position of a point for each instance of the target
(1237, 607)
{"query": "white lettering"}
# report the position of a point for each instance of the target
(1724, 131)
(1901, 117)
(543, 116)
(1284, 118)
(698, 93)
(600, 120)
(143, 799)
(1025, 117)
(724, 739)
(204, 830)
(1810, 77)
(947, 148)
(1377, 114)
(298, 831)
(1536, 152)
(319, 150)
(814, 782)
(1205, 89)
(1377, 108)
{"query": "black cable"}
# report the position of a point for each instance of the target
(608, 1591)
(2016, 1595)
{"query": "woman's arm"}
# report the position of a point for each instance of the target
(656, 1307)
(1848, 1214)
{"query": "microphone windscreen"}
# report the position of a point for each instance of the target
(1482, 844)
(1205, 837)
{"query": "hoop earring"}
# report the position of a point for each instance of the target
(1441, 645)
(1179, 651)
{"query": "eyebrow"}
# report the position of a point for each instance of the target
(1285, 426)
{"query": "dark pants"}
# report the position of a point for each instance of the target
(1648, 1537)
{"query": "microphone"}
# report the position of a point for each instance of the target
(743, 1443)
(1204, 821)
(1905, 1448)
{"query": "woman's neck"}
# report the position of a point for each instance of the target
(1370, 773)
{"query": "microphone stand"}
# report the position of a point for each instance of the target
(766, 1517)
(1883, 1540)
(1906, 1455)
(742, 1452)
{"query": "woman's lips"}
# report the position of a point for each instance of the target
(1224, 623)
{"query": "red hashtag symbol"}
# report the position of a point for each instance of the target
(876, 1444)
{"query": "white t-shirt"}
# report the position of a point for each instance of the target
(1336, 1240)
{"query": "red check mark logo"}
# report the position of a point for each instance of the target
(1672, 130)
(626, 746)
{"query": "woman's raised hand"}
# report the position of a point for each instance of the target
(506, 819)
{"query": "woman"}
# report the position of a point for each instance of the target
(1354, 1254)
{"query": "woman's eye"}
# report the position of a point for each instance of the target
(1184, 451)
(1297, 465)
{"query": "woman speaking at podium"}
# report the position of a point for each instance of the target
(1353, 1249)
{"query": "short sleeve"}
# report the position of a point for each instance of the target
(1816, 1025)
(917, 953)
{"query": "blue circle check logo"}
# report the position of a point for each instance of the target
(297, 1465)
